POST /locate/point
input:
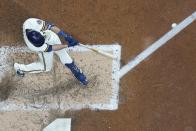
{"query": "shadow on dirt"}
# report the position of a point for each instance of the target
(6, 88)
(62, 88)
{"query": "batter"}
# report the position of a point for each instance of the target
(42, 37)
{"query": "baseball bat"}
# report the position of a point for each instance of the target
(99, 51)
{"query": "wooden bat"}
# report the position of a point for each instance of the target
(99, 51)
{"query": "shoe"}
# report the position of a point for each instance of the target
(18, 71)
(16, 66)
(77, 73)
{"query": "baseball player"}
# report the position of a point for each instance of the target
(43, 37)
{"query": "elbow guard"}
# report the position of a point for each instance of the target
(71, 41)
(66, 36)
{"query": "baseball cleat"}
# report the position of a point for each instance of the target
(79, 75)
(82, 78)
(18, 71)
(16, 66)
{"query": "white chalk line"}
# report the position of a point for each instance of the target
(147, 52)
(112, 105)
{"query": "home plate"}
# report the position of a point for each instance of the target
(58, 89)
(61, 124)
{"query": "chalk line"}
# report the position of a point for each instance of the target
(147, 52)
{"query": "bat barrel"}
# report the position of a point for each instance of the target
(99, 51)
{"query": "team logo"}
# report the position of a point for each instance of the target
(39, 22)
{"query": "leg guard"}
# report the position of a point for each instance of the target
(77, 73)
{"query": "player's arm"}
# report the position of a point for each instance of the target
(48, 48)
(71, 41)
(55, 29)
(58, 47)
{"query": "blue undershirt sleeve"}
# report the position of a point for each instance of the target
(49, 48)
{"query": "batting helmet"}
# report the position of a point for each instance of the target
(35, 37)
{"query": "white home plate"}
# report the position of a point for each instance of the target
(61, 124)
(58, 89)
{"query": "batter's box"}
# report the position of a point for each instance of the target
(58, 89)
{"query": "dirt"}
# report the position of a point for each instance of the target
(6, 87)
(159, 94)
(59, 84)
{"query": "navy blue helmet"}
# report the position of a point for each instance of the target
(35, 37)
